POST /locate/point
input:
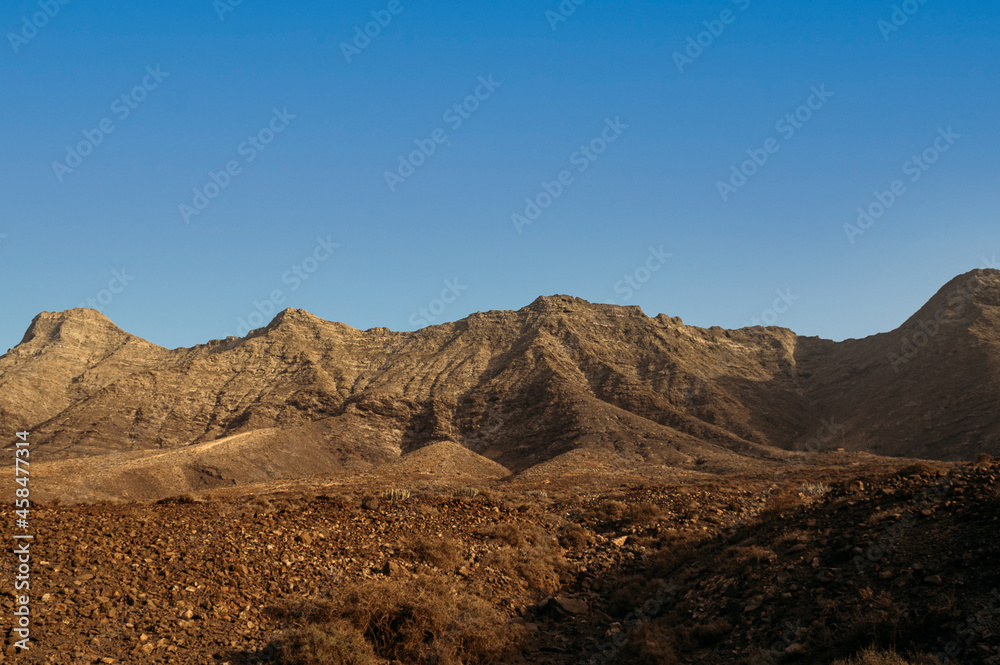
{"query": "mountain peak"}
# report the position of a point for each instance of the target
(963, 298)
(52, 326)
(557, 301)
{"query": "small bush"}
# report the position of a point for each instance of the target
(573, 537)
(671, 557)
(426, 620)
(984, 460)
(651, 643)
(918, 469)
(536, 568)
(394, 494)
(815, 489)
(642, 513)
(445, 553)
(782, 502)
(706, 635)
(873, 656)
(624, 599)
(332, 644)
(608, 511)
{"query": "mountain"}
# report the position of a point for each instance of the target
(541, 387)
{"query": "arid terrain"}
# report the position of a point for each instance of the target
(567, 483)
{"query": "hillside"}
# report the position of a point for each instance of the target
(521, 389)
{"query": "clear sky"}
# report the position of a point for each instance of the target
(283, 130)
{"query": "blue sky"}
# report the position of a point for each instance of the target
(611, 97)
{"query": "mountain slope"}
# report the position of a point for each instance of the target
(521, 388)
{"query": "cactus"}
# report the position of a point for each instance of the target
(395, 494)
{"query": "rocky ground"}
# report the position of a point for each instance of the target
(810, 567)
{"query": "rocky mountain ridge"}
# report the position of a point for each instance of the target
(521, 388)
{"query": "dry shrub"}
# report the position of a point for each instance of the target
(516, 535)
(873, 656)
(446, 553)
(607, 511)
(336, 643)
(573, 537)
(625, 598)
(537, 569)
(506, 533)
(642, 513)
(783, 501)
(815, 489)
(531, 555)
(918, 469)
(426, 620)
(706, 635)
(649, 643)
(743, 560)
(984, 461)
(671, 557)
(879, 620)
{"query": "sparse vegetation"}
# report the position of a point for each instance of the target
(815, 489)
(875, 656)
(394, 494)
(443, 552)
(573, 536)
(918, 469)
(427, 620)
(336, 643)
(783, 501)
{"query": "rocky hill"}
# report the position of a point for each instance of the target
(535, 388)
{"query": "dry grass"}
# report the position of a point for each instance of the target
(984, 461)
(874, 656)
(651, 643)
(574, 537)
(336, 643)
(672, 556)
(784, 501)
(623, 599)
(918, 469)
(426, 620)
(815, 489)
(443, 552)
(642, 513)
(537, 569)
(607, 511)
